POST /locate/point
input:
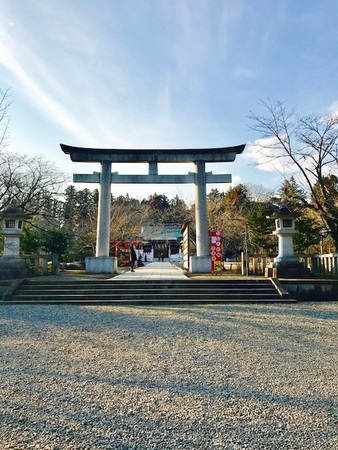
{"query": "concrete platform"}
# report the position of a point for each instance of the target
(153, 271)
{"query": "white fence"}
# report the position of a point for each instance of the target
(255, 265)
(319, 265)
(325, 265)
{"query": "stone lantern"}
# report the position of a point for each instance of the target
(11, 264)
(286, 264)
(285, 230)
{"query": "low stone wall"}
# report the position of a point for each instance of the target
(312, 290)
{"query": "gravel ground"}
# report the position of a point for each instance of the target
(178, 377)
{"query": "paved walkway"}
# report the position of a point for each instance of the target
(153, 271)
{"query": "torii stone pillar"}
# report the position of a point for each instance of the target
(102, 263)
(103, 223)
(201, 262)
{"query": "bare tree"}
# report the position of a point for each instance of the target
(305, 148)
(32, 181)
(226, 212)
(126, 218)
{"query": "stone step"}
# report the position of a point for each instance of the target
(147, 301)
(40, 282)
(107, 291)
(144, 293)
(155, 289)
(151, 285)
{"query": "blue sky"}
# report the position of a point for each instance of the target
(162, 74)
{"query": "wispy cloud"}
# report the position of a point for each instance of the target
(63, 89)
(40, 97)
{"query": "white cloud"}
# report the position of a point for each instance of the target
(266, 156)
(333, 108)
(242, 72)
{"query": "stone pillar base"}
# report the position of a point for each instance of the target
(285, 260)
(12, 267)
(291, 269)
(101, 264)
(200, 264)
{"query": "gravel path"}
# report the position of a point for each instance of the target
(182, 377)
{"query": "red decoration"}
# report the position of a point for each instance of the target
(216, 251)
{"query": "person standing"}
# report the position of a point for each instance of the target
(132, 257)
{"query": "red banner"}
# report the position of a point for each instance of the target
(216, 251)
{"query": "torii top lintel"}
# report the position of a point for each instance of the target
(220, 154)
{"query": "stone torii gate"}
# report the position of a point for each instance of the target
(102, 262)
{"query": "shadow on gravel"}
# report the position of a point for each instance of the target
(186, 319)
(225, 391)
(70, 420)
(286, 328)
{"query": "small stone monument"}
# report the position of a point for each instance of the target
(11, 264)
(286, 264)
